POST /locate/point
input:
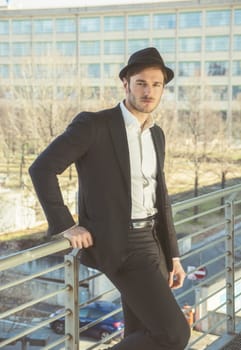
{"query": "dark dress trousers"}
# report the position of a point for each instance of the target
(135, 261)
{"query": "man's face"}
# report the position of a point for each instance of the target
(144, 90)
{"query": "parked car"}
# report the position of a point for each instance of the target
(90, 313)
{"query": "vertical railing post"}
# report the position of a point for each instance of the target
(72, 300)
(230, 280)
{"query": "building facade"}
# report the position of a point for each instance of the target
(85, 47)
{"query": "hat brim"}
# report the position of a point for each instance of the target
(169, 71)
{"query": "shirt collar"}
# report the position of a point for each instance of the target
(131, 121)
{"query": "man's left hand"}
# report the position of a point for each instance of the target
(177, 275)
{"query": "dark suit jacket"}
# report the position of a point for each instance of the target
(97, 143)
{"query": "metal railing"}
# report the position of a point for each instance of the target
(209, 232)
(213, 261)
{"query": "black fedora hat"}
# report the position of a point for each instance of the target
(147, 57)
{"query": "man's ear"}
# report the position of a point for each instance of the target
(125, 83)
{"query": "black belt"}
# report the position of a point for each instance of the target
(143, 223)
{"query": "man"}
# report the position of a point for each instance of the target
(125, 226)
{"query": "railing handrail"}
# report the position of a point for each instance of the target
(188, 203)
(30, 254)
(59, 244)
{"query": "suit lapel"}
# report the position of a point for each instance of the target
(159, 144)
(159, 147)
(120, 143)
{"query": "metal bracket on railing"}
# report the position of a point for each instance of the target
(230, 292)
(72, 299)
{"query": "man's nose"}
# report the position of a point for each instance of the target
(147, 89)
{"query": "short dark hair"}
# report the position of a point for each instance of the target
(135, 69)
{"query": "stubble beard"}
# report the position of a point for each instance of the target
(138, 107)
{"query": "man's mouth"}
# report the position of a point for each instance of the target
(147, 100)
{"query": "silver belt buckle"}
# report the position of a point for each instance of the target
(142, 224)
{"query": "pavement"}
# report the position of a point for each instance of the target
(204, 342)
(85, 343)
(235, 344)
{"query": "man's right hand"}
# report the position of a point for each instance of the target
(79, 237)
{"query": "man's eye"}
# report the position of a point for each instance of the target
(158, 85)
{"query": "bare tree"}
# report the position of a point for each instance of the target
(39, 108)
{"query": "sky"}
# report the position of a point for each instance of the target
(72, 3)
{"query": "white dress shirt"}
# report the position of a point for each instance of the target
(143, 165)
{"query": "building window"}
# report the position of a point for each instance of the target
(89, 48)
(66, 92)
(190, 19)
(237, 42)
(23, 71)
(214, 68)
(90, 92)
(42, 71)
(138, 22)
(90, 24)
(22, 26)
(218, 93)
(4, 49)
(189, 69)
(42, 48)
(91, 70)
(114, 24)
(66, 48)
(65, 71)
(41, 93)
(111, 70)
(171, 65)
(23, 90)
(236, 92)
(182, 93)
(164, 21)
(4, 71)
(237, 16)
(188, 93)
(137, 44)
(217, 43)
(43, 26)
(21, 49)
(4, 27)
(19, 71)
(169, 93)
(165, 45)
(218, 18)
(112, 92)
(65, 25)
(114, 47)
(190, 44)
(236, 67)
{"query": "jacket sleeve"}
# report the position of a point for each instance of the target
(165, 203)
(169, 223)
(63, 151)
